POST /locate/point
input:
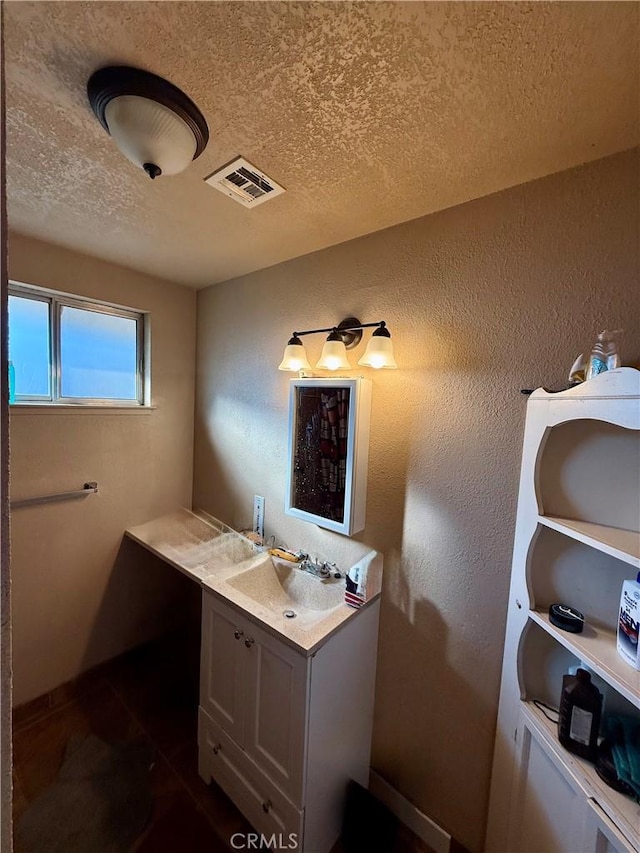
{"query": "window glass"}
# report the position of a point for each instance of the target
(98, 355)
(29, 346)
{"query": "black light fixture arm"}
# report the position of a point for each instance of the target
(349, 331)
(340, 328)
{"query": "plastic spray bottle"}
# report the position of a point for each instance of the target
(604, 355)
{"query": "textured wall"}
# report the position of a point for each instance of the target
(78, 595)
(483, 299)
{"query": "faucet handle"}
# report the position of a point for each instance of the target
(333, 570)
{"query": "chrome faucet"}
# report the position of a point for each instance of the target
(321, 569)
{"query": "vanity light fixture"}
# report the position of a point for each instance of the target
(295, 356)
(153, 123)
(344, 336)
(334, 353)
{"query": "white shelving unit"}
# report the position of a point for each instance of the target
(620, 809)
(621, 544)
(577, 538)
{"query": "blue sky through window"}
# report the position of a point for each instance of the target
(98, 355)
(29, 345)
(98, 351)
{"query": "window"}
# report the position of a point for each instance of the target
(64, 349)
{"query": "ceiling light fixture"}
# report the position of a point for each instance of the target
(346, 335)
(153, 123)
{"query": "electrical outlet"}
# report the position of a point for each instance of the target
(258, 516)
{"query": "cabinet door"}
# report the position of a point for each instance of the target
(222, 678)
(602, 836)
(548, 808)
(276, 710)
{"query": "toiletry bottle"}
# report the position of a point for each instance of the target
(629, 622)
(604, 355)
(580, 710)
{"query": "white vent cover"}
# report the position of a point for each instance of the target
(244, 183)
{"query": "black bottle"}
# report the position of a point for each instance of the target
(580, 710)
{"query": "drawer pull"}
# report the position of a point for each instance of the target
(249, 642)
(266, 806)
(238, 633)
(217, 748)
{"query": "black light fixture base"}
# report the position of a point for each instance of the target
(350, 336)
(152, 170)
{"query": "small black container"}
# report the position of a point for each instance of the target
(580, 710)
(567, 618)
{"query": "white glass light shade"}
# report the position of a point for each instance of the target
(334, 356)
(148, 132)
(379, 353)
(294, 358)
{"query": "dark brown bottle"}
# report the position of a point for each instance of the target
(580, 710)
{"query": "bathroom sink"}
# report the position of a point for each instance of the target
(302, 609)
(281, 586)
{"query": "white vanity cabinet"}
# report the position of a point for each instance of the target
(254, 687)
(577, 539)
(283, 731)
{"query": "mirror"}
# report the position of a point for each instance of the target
(328, 452)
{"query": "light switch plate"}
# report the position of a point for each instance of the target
(258, 516)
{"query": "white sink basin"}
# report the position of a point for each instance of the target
(281, 586)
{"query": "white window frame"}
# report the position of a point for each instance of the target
(56, 301)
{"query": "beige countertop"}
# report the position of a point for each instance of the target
(259, 586)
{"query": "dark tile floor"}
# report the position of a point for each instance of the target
(149, 693)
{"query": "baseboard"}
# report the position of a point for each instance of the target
(421, 825)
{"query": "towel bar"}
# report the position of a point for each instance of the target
(88, 489)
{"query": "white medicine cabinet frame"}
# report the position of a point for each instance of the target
(577, 539)
(329, 452)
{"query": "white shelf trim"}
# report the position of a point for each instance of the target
(597, 648)
(622, 810)
(616, 542)
(623, 383)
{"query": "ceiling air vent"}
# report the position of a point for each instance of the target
(244, 183)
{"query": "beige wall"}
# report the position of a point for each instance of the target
(79, 595)
(482, 300)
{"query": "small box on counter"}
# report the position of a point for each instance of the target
(364, 580)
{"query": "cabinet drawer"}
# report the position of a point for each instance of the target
(260, 801)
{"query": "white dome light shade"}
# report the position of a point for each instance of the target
(295, 356)
(334, 356)
(153, 123)
(379, 351)
(148, 132)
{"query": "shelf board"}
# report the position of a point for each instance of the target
(622, 810)
(621, 544)
(597, 648)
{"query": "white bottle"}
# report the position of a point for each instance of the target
(629, 622)
(604, 355)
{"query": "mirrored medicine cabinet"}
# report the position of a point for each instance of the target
(329, 452)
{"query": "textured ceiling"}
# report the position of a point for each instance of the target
(369, 114)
